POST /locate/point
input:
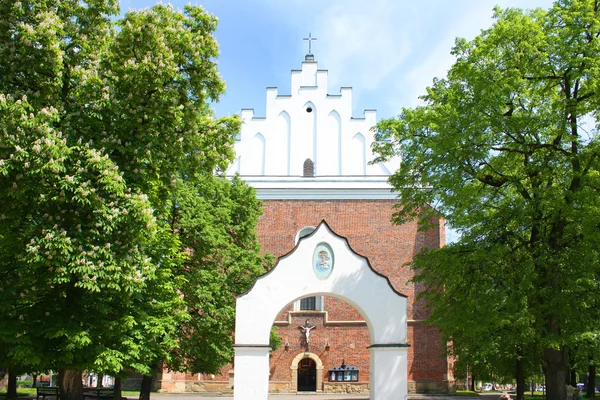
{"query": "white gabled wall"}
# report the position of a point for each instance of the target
(329, 146)
(327, 135)
(282, 145)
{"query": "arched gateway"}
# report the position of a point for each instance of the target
(322, 264)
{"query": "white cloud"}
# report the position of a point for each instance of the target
(438, 59)
(361, 41)
(390, 51)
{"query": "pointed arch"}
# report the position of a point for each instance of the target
(284, 140)
(384, 169)
(358, 155)
(329, 146)
(234, 168)
(309, 136)
(256, 163)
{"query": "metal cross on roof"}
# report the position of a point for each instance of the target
(310, 39)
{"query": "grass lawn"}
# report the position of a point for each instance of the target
(31, 392)
(528, 395)
(22, 391)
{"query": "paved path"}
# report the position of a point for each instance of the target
(299, 396)
(314, 396)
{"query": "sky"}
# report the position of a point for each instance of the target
(389, 51)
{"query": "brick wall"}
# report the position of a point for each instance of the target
(366, 224)
(346, 342)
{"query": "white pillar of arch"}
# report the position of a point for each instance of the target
(389, 371)
(247, 383)
(349, 278)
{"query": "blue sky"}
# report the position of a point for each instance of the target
(389, 51)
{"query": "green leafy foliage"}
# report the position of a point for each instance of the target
(501, 148)
(275, 340)
(67, 232)
(215, 218)
(119, 247)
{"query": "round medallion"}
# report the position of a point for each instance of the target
(323, 261)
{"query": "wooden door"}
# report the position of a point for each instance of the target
(307, 376)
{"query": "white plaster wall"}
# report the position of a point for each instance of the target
(389, 372)
(249, 386)
(310, 135)
(351, 280)
(329, 154)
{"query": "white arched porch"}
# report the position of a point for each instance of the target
(348, 276)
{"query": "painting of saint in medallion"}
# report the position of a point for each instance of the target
(323, 260)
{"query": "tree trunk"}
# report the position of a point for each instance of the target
(147, 383)
(591, 382)
(117, 388)
(146, 388)
(520, 374)
(555, 373)
(472, 382)
(11, 390)
(569, 367)
(34, 384)
(3, 378)
(70, 384)
(99, 381)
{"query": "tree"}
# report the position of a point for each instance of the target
(586, 359)
(75, 245)
(215, 218)
(499, 148)
(101, 119)
(483, 314)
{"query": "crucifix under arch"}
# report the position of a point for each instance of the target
(306, 329)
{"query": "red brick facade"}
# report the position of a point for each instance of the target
(367, 226)
(341, 334)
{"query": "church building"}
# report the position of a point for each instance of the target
(309, 160)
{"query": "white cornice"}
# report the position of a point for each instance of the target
(323, 194)
(322, 188)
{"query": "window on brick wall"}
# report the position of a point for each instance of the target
(309, 303)
(313, 303)
(307, 230)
